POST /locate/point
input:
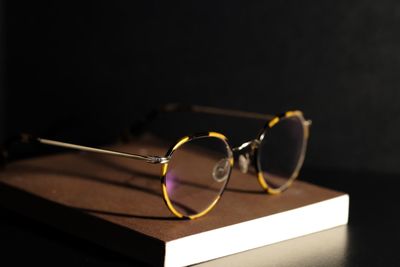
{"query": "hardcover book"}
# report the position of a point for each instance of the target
(117, 203)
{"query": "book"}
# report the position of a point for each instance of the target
(117, 203)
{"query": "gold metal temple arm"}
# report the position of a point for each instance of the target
(137, 127)
(27, 138)
(149, 159)
(173, 107)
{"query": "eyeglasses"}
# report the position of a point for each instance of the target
(196, 169)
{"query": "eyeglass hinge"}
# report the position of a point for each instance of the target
(157, 159)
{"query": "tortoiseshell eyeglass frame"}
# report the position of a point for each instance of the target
(270, 122)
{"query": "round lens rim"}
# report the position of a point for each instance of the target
(264, 134)
(164, 170)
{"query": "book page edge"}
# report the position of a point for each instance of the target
(258, 232)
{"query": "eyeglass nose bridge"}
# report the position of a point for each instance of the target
(246, 151)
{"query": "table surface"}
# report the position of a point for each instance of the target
(370, 239)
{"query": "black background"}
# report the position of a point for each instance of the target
(84, 71)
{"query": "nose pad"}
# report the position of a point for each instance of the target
(244, 162)
(221, 170)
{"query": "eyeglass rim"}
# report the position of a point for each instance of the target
(260, 176)
(268, 126)
(164, 170)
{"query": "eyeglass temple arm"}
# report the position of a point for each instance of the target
(26, 138)
(176, 107)
(138, 126)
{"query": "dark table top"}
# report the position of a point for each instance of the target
(370, 239)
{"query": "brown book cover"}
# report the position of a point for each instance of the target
(117, 202)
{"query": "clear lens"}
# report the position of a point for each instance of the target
(197, 174)
(281, 151)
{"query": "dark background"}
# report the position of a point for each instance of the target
(84, 71)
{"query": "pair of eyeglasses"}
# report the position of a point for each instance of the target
(196, 169)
